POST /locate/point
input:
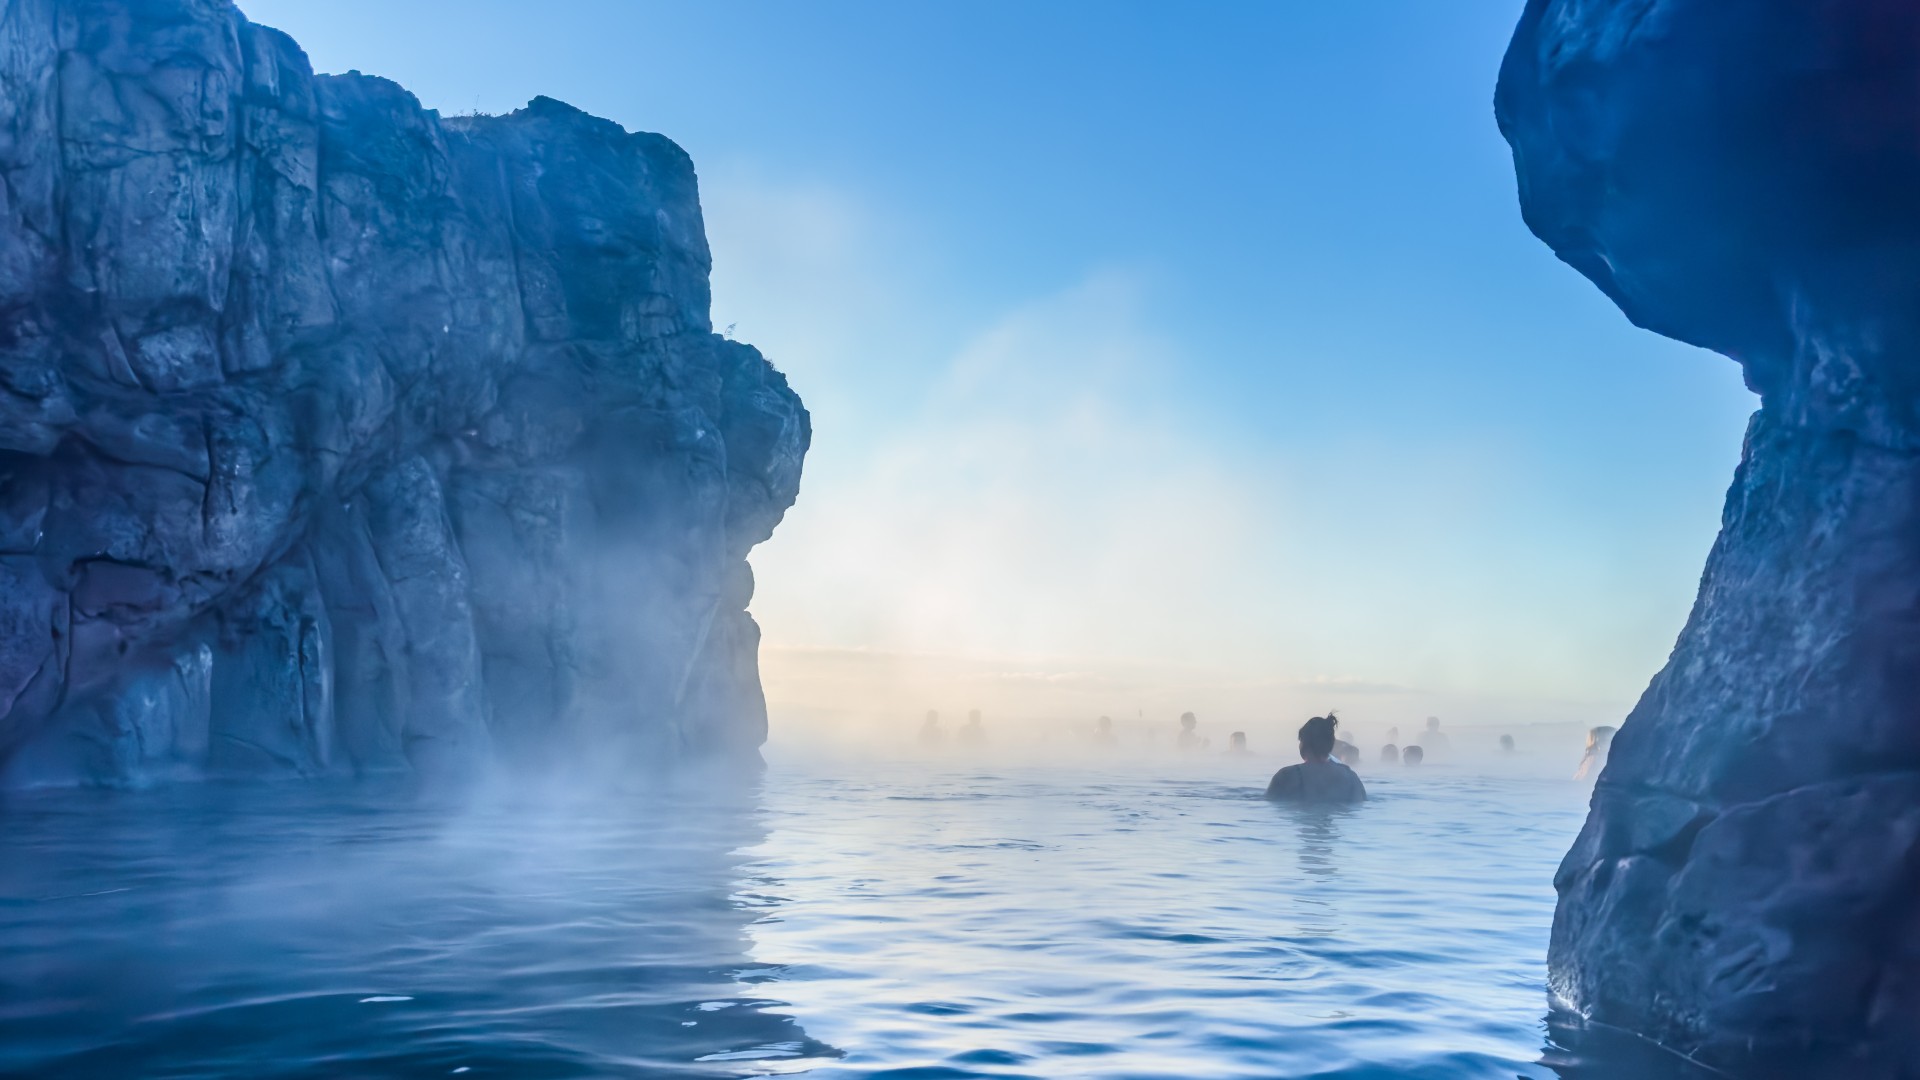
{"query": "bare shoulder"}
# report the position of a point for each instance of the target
(1284, 782)
(1359, 789)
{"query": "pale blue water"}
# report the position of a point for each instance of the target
(878, 919)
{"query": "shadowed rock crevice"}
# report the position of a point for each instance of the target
(1747, 178)
(339, 437)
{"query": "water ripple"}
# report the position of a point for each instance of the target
(910, 921)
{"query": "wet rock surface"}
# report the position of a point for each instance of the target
(337, 436)
(1747, 178)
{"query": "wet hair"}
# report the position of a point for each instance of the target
(1316, 736)
(1412, 755)
(1238, 738)
(1187, 720)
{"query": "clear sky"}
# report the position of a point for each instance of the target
(1161, 355)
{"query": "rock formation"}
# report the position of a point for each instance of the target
(1746, 177)
(337, 436)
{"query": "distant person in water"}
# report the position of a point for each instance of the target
(1413, 755)
(1318, 778)
(1599, 744)
(1345, 752)
(1434, 741)
(1506, 743)
(1189, 738)
(930, 733)
(1391, 751)
(1237, 745)
(972, 733)
(1103, 732)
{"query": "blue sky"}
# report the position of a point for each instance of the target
(1159, 353)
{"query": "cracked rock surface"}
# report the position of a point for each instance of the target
(1746, 177)
(337, 436)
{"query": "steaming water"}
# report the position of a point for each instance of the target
(891, 919)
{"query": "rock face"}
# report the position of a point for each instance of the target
(337, 436)
(1746, 177)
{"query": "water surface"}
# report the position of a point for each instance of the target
(872, 919)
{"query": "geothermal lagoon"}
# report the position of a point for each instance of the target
(905, 915)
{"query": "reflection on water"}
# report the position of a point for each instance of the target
(880, 920)
(1319, 831)
(1580, 1051)
(1162, 921)
(296, 932)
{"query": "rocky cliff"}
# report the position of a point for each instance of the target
(338, 436)
(1746, 177)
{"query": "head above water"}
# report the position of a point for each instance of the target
(1413, 755)
(1316, 738)
(1105, 723)
(1506, 742)
(1433, 723)
(1188, 721)
(1238, 740)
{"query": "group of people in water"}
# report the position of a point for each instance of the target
(1325, 773)
(973, 733)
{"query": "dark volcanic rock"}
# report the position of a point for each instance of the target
(1746, 177)
(338, 436)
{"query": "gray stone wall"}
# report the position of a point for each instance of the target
(337, 436)
(1746, 177)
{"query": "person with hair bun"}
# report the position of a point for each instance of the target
(1318, 778)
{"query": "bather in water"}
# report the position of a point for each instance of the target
(1413, 755)
(1103, 732)
(1346, 753)
(973, 733)
(1599, 744)
(930, 733)
(1506, 744)
(1435, 742)
(1189, 738)
(1237, 745)
(1317, 779)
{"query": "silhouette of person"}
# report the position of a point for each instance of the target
(1390, 754)
(1345, 752)
(1318, 778)
(1599, 745)
(1237, 745)
(1189, 739)
(972, 733)
(1412, 755)
(930, 733)
(1506, 743)
(1434, 741)
(1103, 732)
